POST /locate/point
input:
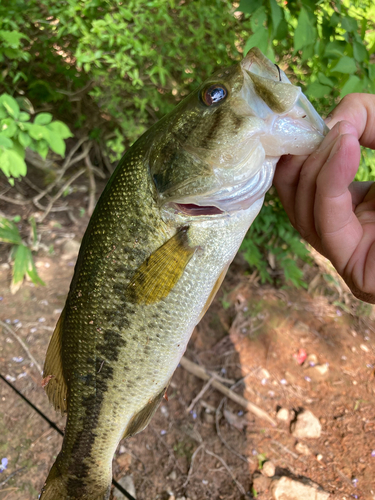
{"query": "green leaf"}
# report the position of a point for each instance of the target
(57, 144)
(12, 164)
(43, 119)
(249, 6)
(24, 264)
(9, 232)
(276, 15)
(11, 105)
(12, 37)
(258, 19)
(8, 127)
(317, 90)
(5, 142)
(24, 117)
(258, 39)
(349, 24)
(39, 132)
(334, 49)
(42, 148)
(25, 104)
(345, 65)
(325, 80)
(359, 51)
(60, 129)
(24, 138)
(354, 84)
(305, 32)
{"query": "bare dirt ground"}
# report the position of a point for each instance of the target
(211, 449)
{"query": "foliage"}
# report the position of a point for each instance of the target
(111, 69)
(21, 253)
(272, 244)
(17, 133)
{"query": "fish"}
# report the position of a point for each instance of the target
(158, 245)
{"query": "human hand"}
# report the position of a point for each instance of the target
(335, 215)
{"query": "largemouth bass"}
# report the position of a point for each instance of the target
(155, 252)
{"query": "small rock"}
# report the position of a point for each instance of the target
(172, 476)
(285, 488)
(319, 457)
(70, 249)
(268, 469)
(311, 360)
(261, 483)
(283, 415)
(364, 348)
(264, 373)
(303, 449)
(5, 266)
(306, 425)
(128, 484)
(318, 372)
(122, 449)
(181, 498)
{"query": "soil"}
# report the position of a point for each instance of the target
(253, 336)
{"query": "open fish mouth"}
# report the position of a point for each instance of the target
(229, 199)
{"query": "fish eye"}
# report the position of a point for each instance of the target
(278, 69)
(214, 94)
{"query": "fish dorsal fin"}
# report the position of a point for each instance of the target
(140, 420)
(53, 377)
(160, 272)
(214, 291)
(279, 96)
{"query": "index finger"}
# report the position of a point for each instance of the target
(358, 109)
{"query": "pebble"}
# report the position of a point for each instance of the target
(319, 457)
(173, 476)
(283, 415)
(128, 484)
(364, 348)
(70, 249)
(268, 469)
(285, 488)
(303, 449)
(261, 483)
(311, 360)
(318, 372)
(306, 425)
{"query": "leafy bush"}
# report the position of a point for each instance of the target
(17, 133)
(20, 253)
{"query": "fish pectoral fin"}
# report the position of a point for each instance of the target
(140, 420)
(53, 377)
(214, 291)
(160, 272)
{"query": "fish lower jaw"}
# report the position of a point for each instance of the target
(226, 201)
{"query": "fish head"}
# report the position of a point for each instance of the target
(216, 153)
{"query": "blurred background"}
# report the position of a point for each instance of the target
(80, 81)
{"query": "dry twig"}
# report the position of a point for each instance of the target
(92, 185)
(191, 464)
(217, 417)
(18, 338)
(199, 395)
(200, 372)
(60, 192)
(238, 484)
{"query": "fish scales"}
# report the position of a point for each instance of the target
(157, 247)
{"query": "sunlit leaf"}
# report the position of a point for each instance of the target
(305, 32)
